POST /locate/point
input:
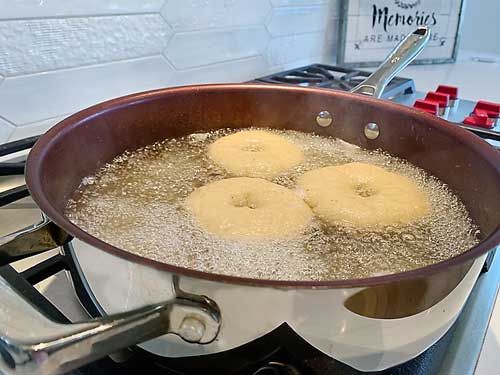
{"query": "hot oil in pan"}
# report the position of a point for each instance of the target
(135, 203)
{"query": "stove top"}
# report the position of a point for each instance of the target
(335, 77)
(281, 351)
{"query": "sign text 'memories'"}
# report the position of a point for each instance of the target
(382, 16)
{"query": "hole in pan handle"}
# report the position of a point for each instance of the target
(30, 343)
(404, 53)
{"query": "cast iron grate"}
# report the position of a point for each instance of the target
(335, 77)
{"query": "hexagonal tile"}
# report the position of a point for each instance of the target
(291, 3)
(201, 14)
(331, 40)
(6, 130)
(35, 128)
(29, 46)
(198, 48)
(287, 49)
(49, 8)
(287, 21)
(51, 94)
(231, 71)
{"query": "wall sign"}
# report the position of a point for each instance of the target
(371, 28)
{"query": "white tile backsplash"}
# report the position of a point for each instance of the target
(66, 91)
(287, 3)
(331, 42)
(58, 57)
(35, 128)
(480, 27)
(231, 71)
(198, 48)
(6, 130)
(65, 8)
(203, 14)
(292, 48)
(297, 20)
(38, 45)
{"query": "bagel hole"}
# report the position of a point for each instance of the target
(243, 200)
(363, 190)
(253, 147)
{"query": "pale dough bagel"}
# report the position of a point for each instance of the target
(362, 196)
(255, 153)
(249, 208)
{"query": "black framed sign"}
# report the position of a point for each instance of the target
(369, 29)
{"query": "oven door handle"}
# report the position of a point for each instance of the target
(37, 238)
(30, 343)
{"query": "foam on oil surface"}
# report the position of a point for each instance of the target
(135, 203)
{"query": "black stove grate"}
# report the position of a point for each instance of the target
(335, 77)
(17, 168)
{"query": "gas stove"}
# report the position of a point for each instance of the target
(481, 117)
(335, 77)
(281, 351)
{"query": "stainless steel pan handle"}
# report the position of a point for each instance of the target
(398, 59)
(30, 343)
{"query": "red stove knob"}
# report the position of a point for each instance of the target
(427, 106)
(492, 110)
(443, 101)
(489, 110)
(479, 119)
(451, 91)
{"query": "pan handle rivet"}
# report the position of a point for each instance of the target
(192, 329)
(372, 131)
(324, 119)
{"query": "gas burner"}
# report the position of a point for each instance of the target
(335, 77)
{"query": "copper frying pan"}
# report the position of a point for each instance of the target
(81, 144)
